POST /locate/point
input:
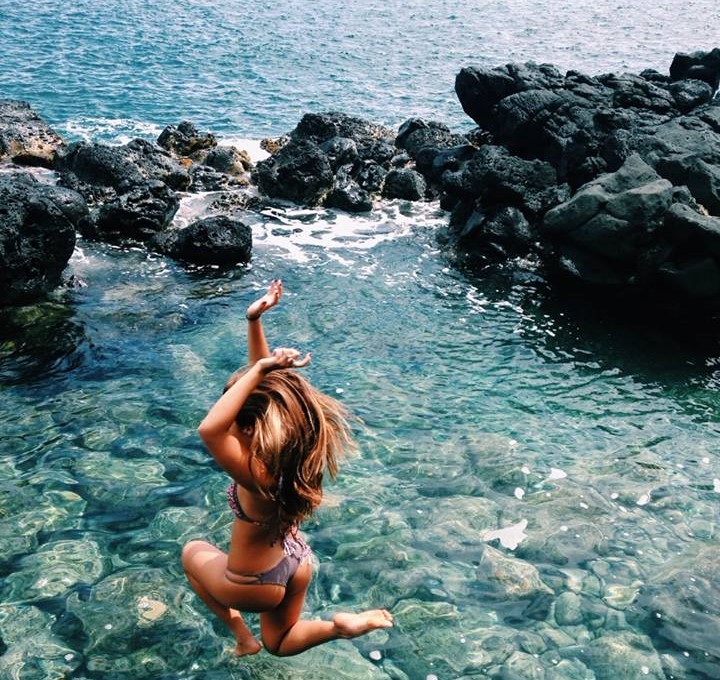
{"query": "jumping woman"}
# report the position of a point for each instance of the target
(276, 436)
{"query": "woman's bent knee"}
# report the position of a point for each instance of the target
(189, 550)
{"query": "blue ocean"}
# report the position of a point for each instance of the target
(537, 485)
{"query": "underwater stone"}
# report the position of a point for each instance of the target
(57, 567)
(504, 577)
(620, 656)
(521, 666)
(568, 609)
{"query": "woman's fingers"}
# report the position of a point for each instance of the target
(299, 363)
(289, 356)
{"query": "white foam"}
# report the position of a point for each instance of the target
(252, 146)
(299, 231)
(557, 473)
(519, 493)
(110, 130)
(510, 537)
(716, 485)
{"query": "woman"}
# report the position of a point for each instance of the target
(275, 435)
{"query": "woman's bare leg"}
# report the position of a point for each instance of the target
(284, 633)
(200, 560)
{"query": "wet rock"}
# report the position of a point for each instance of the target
(136, 215)
(185, 139)
(417, 134)
(299, 172)
(689, 94)
(433, 162)
(497, 178)
(228, 160)
(370, 176)
(25, 138)
(320, 127)
(37, 236)
(119, 167)
(703, 66)
(405, 184)
(205, 178)
(214, 240)
(340, 151)
(701, 177)
(349, 196)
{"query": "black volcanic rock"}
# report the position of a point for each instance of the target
(135, 215)
(119, 167)
(214, 240)
(299, 172)
(185, 139)
(37, 236)
(25, 138)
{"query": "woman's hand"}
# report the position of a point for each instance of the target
(270, 299)
(283, 357)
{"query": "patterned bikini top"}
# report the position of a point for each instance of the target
(235, 506)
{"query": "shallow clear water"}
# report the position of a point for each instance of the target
(536, 491)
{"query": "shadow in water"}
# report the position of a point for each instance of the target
(38, 340)
(673, 346)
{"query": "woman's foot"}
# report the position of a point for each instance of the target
(352, 625)
(245, 642)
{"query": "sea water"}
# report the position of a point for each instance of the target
(536, 489)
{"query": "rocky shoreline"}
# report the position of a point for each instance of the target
(609, 182)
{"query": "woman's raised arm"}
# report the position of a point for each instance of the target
(257, 344)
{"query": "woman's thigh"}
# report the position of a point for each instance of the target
(276, 622)
(207, 564)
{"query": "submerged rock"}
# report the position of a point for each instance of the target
(37, 236)
(25, 138)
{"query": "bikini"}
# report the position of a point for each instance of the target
(294, 548)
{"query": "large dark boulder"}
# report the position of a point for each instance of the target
(214, 240)
(320, 127)
(299, 172)
(634, 232)
(119, 167)
(25, 138)
(404, 183)
(205, 178)
(416, 134)
(185, 139)
(228, 160)
(136, 215)
(703, 66)
(348, 195)
(37, 236)
(497, 178)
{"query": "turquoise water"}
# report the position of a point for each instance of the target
(536, 490)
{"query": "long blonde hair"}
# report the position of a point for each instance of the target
(299, 433)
